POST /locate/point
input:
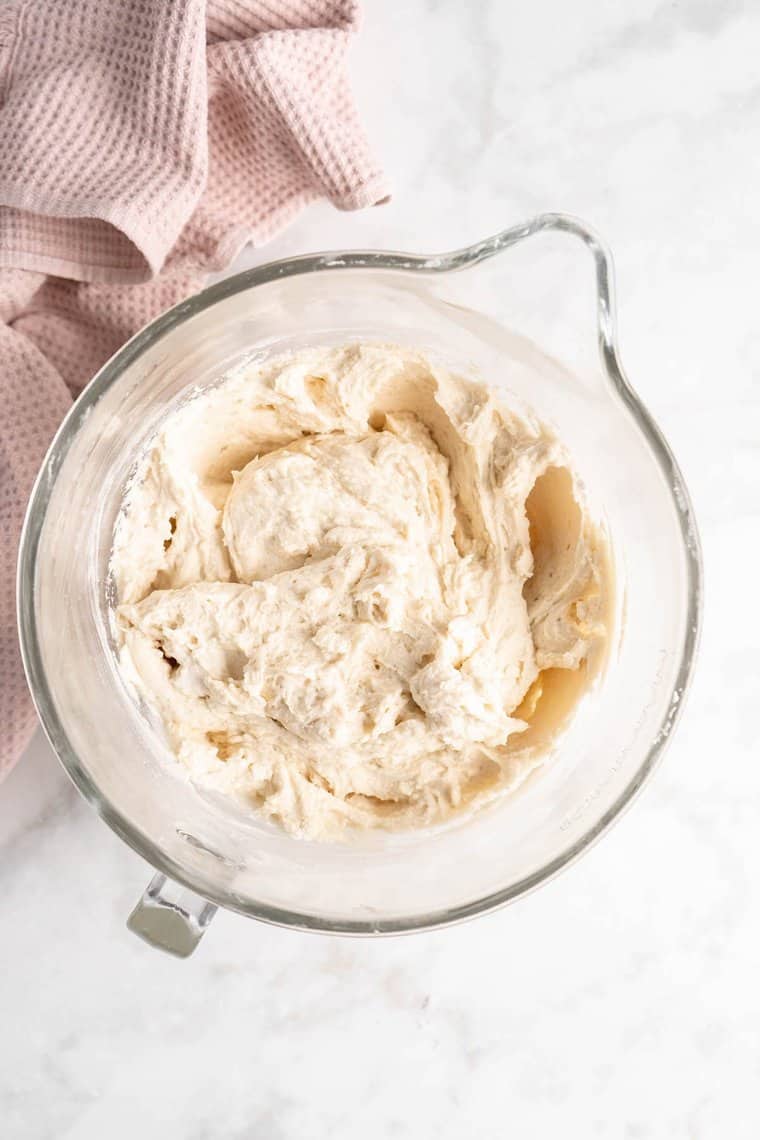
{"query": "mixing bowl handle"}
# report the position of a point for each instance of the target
(171, 917)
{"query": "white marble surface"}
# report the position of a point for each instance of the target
(621, 1001)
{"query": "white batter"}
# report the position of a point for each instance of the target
(329, 595)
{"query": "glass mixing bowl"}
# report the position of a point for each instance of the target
(209, 852)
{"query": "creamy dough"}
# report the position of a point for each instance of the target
(347, 581)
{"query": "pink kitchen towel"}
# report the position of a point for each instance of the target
(142, 145)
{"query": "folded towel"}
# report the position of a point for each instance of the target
(142, 144)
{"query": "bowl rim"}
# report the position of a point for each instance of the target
(110, 373)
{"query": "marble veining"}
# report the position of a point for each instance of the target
(620, 1001)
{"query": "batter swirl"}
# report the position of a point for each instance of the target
(343, 579)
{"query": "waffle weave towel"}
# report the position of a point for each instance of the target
(142, 144)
